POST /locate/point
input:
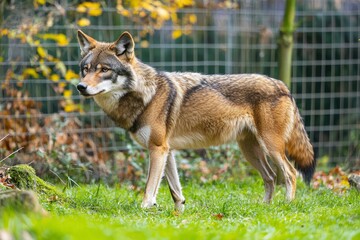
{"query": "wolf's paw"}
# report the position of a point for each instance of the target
(148, 205)
(180, 207)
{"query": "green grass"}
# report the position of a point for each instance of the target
(222, 210)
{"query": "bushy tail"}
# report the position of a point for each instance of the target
(300, 149)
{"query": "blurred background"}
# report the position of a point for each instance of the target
(65, 136)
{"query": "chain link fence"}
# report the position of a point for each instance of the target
(326, 60)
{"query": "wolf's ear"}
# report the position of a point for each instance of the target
(86, 42)
(124, 44)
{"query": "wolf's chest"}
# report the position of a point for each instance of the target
(142, 136)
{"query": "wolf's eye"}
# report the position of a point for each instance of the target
(104, 70)
(85, 70)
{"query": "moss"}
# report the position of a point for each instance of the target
(2, 188)
(24, 178)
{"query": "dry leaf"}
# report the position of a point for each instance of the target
(218, 216)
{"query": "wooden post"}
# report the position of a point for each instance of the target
(285, 42)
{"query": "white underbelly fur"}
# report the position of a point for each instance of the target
(230, 132)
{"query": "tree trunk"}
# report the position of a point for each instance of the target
(286, 42)
(2, 7)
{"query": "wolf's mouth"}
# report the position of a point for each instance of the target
(85, 94)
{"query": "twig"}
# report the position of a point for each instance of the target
(4, 137)
(10, 155)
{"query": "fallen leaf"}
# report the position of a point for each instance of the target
(53, 198)
(218, 216)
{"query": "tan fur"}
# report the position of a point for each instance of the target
(166, 111)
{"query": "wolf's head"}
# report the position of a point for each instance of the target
(105, 67)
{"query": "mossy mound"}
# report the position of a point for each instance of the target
(20, 201)
(24, 178)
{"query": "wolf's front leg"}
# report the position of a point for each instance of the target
(172, 177)
(158, 156)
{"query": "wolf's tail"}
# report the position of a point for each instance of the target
(300, 149)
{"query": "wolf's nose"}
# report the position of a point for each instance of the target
(81, 87)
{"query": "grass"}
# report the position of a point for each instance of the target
(221, 210)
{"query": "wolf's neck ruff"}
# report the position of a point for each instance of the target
(123, 109)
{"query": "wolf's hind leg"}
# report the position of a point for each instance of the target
(288, 172)
(172, 177)
(256, 156)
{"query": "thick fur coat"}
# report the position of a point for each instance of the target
(164, 111)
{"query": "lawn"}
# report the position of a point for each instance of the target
(217, 210)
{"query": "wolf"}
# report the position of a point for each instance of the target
(167, 111)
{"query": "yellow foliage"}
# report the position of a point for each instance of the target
(41, 51)
(30, 72)
(67, 94)
(4, 32)
(45, 70)
(142, 14)
(41, 2)
(62, 40)
(81, 9)
(159, 11)
(71, 107)
(95, 12)
(163, 13)
(184, 3)
(176, 34)
(144, 44)
(83, 22)
(91, 5)
(70, 74)
(62, 85)
(135, 3)
(126, 13)
(54, 77)
(59, 38)
(192, 18)
(92, 8)
(61, 67)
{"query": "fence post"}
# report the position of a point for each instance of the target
(285, 42)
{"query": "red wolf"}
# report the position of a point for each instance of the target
(165, 111)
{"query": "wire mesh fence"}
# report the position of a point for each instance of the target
(325, 83)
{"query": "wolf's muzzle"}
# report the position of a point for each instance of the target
(81, 87)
